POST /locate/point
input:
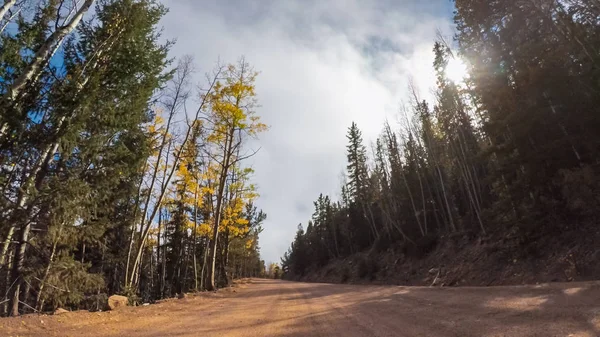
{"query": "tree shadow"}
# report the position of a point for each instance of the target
(568, 309)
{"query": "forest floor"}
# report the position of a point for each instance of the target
(279, 308)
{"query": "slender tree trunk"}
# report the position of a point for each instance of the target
(42, 54)
(227, 153)
(204, 261)
(563, 129)
(399, 228)
(7, 284)
(6, 244)
(45, 157)
(145, 224)
(19, 261)
(7, 21)
(335, 239)
(195, 272)
(412, 202)
(158, 254)
(48, 267)
(163, 271)
(22, 215)
(134, 224)
(41, 58)
(8, 4)
(24, 192)
(424, 229)
(143, 221)
(474, 204)
(470, 185)
(151, 269)
(213, 242)
(176, 160)
(370, 219)
(393, 144)
(186, 263)
(26, 294)
(433, 156)
(195, 237)
(6, 7)
(225, 259)
(445, 196)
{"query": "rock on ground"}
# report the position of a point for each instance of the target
(117, 301)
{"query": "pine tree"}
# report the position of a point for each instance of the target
(357, 164)
(522, 88)
(87, 162)
(510, 154)
(92, 137)
(357, 187)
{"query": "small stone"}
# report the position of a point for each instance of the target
(60, 311)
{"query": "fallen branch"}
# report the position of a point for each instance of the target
(55, 287)
(436, 277)
(27, 305)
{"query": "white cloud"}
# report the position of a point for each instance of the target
(323, 64)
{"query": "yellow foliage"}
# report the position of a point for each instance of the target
(249, 243)
(230, 116)
(204, 230)
(152, 237)
(158, 120)
(231, 104)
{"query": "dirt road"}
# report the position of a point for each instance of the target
(267, 308)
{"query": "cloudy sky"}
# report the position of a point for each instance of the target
(323, 64)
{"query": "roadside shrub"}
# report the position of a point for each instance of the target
(421, 247)
(69, 283)
(366, 267)
(132, 296)
(345, 274)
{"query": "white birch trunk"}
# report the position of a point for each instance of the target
(46, 50)
(8, 4)
(42, 56)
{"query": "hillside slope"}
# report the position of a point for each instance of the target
(461, 259)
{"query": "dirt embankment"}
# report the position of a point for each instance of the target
(463, 260)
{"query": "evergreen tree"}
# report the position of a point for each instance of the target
(357, 164)
(90, 142)
(87, 162)
(511, 153)
(361, 216)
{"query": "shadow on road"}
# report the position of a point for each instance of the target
(544, 310)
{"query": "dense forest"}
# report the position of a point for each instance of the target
(117, 175)
(510, 155)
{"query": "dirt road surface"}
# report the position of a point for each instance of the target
(265, 308)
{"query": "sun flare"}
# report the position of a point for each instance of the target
(456, 70)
